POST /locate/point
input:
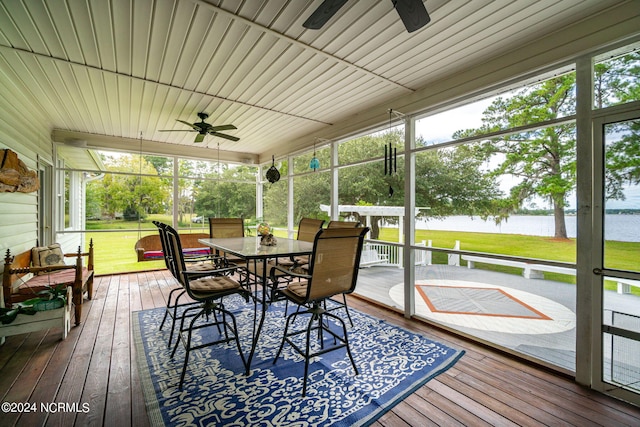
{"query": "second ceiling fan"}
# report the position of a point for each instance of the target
(412, 12)
(203, 128)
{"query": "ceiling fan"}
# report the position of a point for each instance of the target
(203, 128)
(412, 12)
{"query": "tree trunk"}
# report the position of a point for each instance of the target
(560, 223)
(375, 227)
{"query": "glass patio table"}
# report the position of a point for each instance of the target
(250, 249)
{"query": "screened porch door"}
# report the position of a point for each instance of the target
(616, 232)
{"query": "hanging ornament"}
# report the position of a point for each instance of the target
(314, 163)
(273, 175)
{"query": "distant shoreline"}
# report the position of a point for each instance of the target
(619, 227)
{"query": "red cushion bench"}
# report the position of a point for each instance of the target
(21, 280)
(149, 248)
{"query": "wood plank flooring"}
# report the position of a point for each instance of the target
(95, 370)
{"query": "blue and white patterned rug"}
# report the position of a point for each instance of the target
(392, 361)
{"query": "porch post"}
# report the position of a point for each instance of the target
(587, 328)
(409, 214)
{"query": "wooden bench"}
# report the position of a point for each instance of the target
(21, 280)
(149, 248)
(529, 270)
(624, 285)
(471, 260)
(536, 270)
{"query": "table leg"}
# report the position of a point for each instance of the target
(263, 310)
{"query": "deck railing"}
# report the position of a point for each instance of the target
(392, 255)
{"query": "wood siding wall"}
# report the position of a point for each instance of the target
(30, 138)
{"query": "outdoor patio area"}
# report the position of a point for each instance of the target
(533, 317)
(96, 368)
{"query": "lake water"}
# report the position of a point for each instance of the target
(625, 228)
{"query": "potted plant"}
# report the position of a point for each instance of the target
(8, 315)
(266, 237)
(51, 298)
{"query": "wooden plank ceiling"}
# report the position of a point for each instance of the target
(126, 68)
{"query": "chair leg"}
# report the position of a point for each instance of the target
(346, 308)
(205, 311)
(308, 349)
(175, 311)
(181, 329)
(346, 340)
(166, 312)
(188, 346)
(284, 336)
(175, 316)
(318, 315)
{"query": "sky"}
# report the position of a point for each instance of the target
(440, 128)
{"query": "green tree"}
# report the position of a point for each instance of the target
(132, 194)
(274, 197)
(366, 184)
(162, 164)
(617, 81)
(622, 158)
(543, 161)
(453, 181)
(448, 181)
(232, 195)
(309, 192)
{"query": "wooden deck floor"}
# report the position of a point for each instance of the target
(95, 370)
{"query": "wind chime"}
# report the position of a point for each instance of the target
(390, 157)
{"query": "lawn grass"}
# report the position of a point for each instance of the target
(115, 253)
(618, 255)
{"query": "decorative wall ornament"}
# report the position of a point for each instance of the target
(14, 174)
(273, 175)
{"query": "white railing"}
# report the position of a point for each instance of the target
(380, 253)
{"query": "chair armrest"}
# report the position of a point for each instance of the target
(202, 257)
(274, 278)
(217, 271)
